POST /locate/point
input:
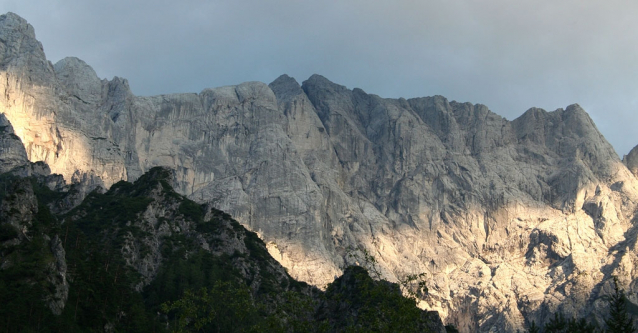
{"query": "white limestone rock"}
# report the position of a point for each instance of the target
(80, 80)
(511, 220)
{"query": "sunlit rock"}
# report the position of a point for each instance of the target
(511, 220)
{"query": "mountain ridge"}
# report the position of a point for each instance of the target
(425, 184)
(140, 257)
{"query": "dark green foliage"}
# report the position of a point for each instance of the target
(353, 303)
(414, 285)
(256, 246)
(224, 307)
(213, 226)
(365, 259)
(6, 182)
(179, 274)
(235, 225)
(23, 281)
(295, 313)
(357, 303)
(110, 209)
(192, 210)
(121, 186)
(451, 329)
(581, 325)
(559, 324)
(101, 286)
(47, 223)
(44, 194)
(7, 232)
(99, 281)
(556, 324)
(22, 286)
(297, 285)
(619, 320)
(259, 255)
(230, 307)
(245, 291)
(533, 328)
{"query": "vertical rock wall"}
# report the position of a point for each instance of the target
(509, 219)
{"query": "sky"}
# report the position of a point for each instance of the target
(510, 55)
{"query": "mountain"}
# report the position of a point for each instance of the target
(142, 258)
(511, 221)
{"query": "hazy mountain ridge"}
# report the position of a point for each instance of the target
(510, 219)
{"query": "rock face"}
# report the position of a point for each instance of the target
(511, 220)
(12, 152)
(25, 240)
(631, 161)
(119, 257)
(148, 217)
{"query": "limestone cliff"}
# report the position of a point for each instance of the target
(31, 252)
(511, 220)
(12, 152)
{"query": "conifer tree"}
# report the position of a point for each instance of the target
(533, 328)
(619, 320)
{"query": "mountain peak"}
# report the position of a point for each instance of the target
(13, 28)
(79, 78)
(21, 50)
(317, 80)
(427, 184)
(12, 20)
(285, 87)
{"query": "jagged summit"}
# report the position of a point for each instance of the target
(20, 50)
(320, 83)
(11, 23)
(285, 87)
(80, 79)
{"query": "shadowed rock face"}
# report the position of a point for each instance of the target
(12, 152)
(509, 219)
(631, 161)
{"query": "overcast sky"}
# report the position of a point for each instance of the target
(507, 54)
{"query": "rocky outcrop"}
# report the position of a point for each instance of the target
(12, 152)
(47, 109)
(631, 161)
(511, 220)
(57, 277)
(148, 220)
(18, 210)
(141, 248)
(30, 251)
